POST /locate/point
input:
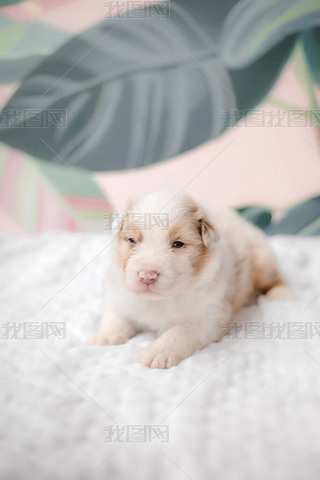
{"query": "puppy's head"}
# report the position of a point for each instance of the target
(164, 242)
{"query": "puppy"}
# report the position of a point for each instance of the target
(181, 271)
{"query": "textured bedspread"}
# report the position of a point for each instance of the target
(246, 408)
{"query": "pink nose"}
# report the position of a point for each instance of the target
(148, 277)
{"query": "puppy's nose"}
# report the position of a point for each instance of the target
(148, 277)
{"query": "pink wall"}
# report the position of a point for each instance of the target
(268, 166)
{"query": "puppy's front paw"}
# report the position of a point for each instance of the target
(104, 338)
(154, 357)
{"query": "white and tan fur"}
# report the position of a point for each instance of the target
(223, 265)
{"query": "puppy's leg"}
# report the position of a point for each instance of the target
(114, 330)
(267, 277)
(178, 343)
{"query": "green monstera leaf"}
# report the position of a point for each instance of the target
(301, 219)
(135, 92)
(252, 83)
(253, 27)
(139, 91)
(4, 3)
(24, 45)
(311, 45)
(259, 216)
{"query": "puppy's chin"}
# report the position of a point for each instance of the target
(151, 292)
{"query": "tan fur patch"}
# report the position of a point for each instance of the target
(201, 259)
(265, 270)
(132, 231)
(185, 231)
(189, 230)
(124, 249)
(279, 292)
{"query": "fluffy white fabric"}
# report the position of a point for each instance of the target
(242, 408)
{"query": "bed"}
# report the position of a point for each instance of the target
(245, 408)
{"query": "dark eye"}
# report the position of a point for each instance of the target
(131, 240)
(177, 244)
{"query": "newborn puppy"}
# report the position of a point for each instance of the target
(181, 271)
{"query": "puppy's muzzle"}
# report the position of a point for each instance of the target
(148, 278)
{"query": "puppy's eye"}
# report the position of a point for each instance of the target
(177, 244)
(131, 240)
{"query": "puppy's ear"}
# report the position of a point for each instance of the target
(121, 220)
(208, 232)
(117, 223)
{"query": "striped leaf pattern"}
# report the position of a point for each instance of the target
(42, 196)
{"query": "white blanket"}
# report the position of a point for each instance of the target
(246, 408)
